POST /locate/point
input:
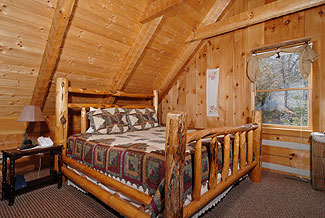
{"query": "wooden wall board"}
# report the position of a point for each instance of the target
(254, 4)
(27, 16)
(200, 80)
(225, 95)
(322, 89)
(241, 95)
(287, 132)
(107, 17)
(293, 26)
(287, 157)
(286, 138)
(30, 6)
(302, 24)
(190, 94)
(213, 62)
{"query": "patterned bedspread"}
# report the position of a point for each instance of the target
(137, 157)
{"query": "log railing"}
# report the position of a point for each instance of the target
(243, 140)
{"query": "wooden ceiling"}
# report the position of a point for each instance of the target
(134, 46)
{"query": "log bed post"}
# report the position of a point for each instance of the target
(256, 174)
(174, 170)
(213, 176)
(155, 101)
(61, 113)
(83, 124)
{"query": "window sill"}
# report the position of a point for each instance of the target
(286, 130)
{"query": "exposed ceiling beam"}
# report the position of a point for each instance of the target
(260, 14)
(52, 50)
(135, 52)
(157, 8)
(164, 80)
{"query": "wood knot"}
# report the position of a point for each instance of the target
(273, 27)
(251, 15)
(321, 12)
(20, 43)
(237, 84)
(287, 22)
(242, 54)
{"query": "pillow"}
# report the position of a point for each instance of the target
(91, 128)
(109, 120)
(140, 119)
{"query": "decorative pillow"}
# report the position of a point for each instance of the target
(109, 120)
(91, 128)
(140, 119)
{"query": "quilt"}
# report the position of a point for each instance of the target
(136, 157)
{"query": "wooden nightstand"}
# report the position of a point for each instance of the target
(8, 188)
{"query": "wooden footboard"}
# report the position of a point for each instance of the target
(246, 139)
(242, 139)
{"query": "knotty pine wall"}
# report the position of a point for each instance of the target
(24, 27)
(284, 150)
(99, 36)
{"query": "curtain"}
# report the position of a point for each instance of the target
(306, 58)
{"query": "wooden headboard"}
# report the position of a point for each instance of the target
(62, 105)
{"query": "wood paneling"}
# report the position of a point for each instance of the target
(100, 37)
(229, 52)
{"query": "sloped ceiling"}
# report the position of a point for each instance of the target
(105, 46)
(102, 34)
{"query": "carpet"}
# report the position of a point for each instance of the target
(275, 196)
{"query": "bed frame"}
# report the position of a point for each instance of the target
(176, 140)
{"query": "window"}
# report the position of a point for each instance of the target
(281, 92)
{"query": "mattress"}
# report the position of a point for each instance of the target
(137, 158)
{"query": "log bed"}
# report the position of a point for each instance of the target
(246, 155)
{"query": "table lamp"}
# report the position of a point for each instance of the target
(30, 113)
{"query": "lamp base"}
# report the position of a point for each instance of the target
(27, 143)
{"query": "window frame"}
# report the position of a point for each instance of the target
(309, 88)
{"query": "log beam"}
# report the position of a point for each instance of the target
(61, 113)
(236, 154)
(83, 121)
(88, 105)
(250, 146)
(243, 150)
(157, 8)
(256, 174)
(194, 206)
(51, 53)
(197, 171)
(174, 169)
(226, 158)
(61, 117)
(120, 205)
(126, 190)
(164, 81)
(134, 55)
(213, 174)
(255, 16)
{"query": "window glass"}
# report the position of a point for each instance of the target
(280, 72)
(283, 107)
(281, 93)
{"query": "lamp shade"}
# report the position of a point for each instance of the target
(31, 113)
